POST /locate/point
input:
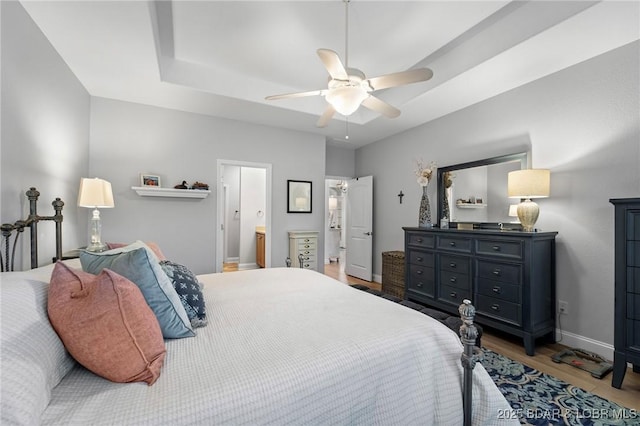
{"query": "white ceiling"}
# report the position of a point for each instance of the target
(222, 58)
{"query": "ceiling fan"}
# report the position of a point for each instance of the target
(349, 88)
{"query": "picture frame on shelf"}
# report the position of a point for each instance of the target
(148, 179)
(299, 196)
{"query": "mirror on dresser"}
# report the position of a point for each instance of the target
(476, 192)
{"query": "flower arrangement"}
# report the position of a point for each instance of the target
(447, 177)
(424, 173)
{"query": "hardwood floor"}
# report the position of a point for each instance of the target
(628, 396)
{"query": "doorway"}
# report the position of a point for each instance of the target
(335, 221)
(243, 210)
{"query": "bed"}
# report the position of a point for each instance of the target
(281, 346)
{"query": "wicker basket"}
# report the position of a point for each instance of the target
(393, 273)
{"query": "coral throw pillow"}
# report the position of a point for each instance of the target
(106, 325)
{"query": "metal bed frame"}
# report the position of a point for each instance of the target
(7, 259)
(468, 331)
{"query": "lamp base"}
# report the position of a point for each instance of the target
(95, 230)
(528, 213)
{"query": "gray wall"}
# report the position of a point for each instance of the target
(44, 140)
(582, 123)
(340, 161)
(128, 138)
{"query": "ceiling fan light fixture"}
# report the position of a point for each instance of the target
(346, 99)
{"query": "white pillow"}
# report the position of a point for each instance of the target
(33, 358)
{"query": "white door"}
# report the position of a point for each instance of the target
(360, 228)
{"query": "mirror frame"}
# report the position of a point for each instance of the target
(520, 156)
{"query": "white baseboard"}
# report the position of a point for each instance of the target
(245, 266)
(232, 260)
(576, 341)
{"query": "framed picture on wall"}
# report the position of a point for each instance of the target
(147, 179)
(298, 196)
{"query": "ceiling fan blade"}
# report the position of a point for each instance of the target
(333, 64)
(326, 116)
(295, 95)
(378, 105)
(400, 78)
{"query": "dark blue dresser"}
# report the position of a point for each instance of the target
(627, 288)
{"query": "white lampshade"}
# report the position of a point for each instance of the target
(95, 193)
(529, 183)
(346, 99)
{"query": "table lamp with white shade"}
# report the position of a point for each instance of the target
(527, 184)
(95, 193)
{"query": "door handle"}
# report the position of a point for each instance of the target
(368, 233)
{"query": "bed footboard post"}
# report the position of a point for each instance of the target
(57, 217)
(470, 355)
(32, 195)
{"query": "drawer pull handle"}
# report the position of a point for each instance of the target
(419, 272)
(419, 240)
(497, 271)
(453, 294)
(306, 265)
(452, 265)
(453, 279)
(496, 248)
(307, 246)
(419, 259)
(495, 307)
(306, 240)
(452, 243)
(497, 289)
(419, 284)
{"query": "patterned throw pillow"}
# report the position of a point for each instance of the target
(137, 263)
(188, 288)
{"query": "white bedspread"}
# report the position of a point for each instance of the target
(292, 346)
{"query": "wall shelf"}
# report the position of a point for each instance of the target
(147, 191)
(470, 206)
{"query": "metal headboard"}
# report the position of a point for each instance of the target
(8, 258)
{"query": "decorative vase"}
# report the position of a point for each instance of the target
(424, 216)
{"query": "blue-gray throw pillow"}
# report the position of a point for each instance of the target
(188, 288)
(138, 263)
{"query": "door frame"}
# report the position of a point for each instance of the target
(220, 235)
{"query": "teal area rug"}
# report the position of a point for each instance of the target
(537, 398)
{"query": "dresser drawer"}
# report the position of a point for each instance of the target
(421, 280)
(494, 307)
(418, 239)
(460, 244)
(308, 257)
(306, 245)
(455, 279)
(633, 335)
(633, 253)
(500, 290)
(633, 306)
(505, 272)
(459, 264)
(633, 280)
(421, 258)
(499, 248)
(453, 295)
